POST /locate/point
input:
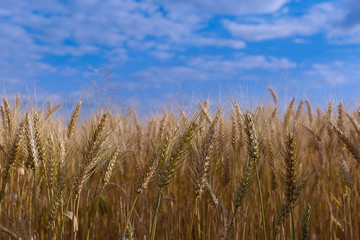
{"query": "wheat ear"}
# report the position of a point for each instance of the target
(310, 114)
(12, 156)
(72, 123)
(289, 113)
(273, 94)
(305, 227)
(353, 149)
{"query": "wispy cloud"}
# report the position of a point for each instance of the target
(337, 21)
(241, 63)
(230, 7)
(170, 75)
(319, 19)
(206, 68)
(334, 73)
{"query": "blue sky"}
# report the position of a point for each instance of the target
(153, 52)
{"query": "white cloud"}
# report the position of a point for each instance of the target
(162, 55)
(242, 63)
(334, 73)
(207, 68)
(345, 35)
(231, 7)
(231, 43)
(32, 31)
(20, 58)
(301, 41)
(339, 22)
(170, 75)
(347, 31)
(102, 23)
(319, 19)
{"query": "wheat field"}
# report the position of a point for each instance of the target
(210, 173)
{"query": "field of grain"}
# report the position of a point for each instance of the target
(212, 173)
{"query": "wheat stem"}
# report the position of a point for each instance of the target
(129, 216)
(261, 201)
(153, 225)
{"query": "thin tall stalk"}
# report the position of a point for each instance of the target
(153, 225)
(261, 201)
(253, 152)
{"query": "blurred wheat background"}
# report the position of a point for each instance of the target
(212, 173)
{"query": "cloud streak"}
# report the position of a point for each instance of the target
(320, 18)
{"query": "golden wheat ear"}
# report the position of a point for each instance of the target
(290, 168)
(177, 155)
(340, 120)
(72, 123)
(211, 195)
(354, 123)
(139, 134)
(201, 167)
(94, 147)
(288, 114)
(273, 94)
(12, 155)
(299, 110)
(292, 186)
(346, 173)
(310, 114)
(353, 149)
(59, 186)
(272, 163)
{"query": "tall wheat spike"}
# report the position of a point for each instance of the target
(12, 155)
(72, 123)
(202, 167)
(273, 94)
(289, 113)
(94, 146)
(353, 149)
(177, 155)
(310, 114)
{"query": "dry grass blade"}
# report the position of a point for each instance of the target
(73, 218)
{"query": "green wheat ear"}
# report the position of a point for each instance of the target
(305, 226)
